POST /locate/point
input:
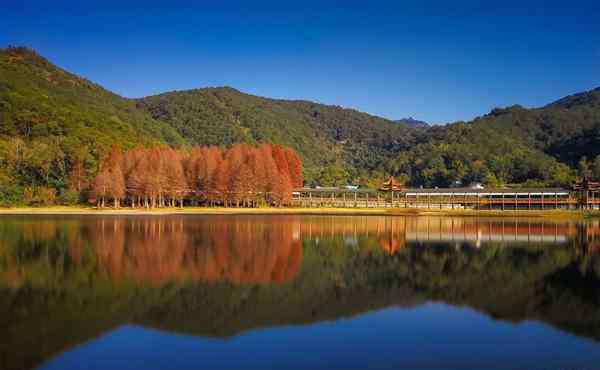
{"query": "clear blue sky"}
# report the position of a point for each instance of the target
(441, 62)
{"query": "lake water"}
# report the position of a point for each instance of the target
(298, 292)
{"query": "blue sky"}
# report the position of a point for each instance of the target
(438, 61)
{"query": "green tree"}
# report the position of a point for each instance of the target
(490, 180)
(584, 167)
(457, 170)
(596, 168)
(559, 175)
(334, 175)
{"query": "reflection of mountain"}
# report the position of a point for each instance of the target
(64, 281)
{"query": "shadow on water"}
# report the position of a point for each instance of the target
(67, 280)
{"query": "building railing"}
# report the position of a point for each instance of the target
(530, 198)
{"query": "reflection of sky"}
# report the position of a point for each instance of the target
(430, 336)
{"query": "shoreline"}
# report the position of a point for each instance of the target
(80, 211)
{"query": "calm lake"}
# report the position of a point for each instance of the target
(298, 292)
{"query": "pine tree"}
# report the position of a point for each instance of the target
(295, 168)
(208, 174)
(100, 188)
(220, 183)
(163, 176)
(176, 184)
(116, 190)
(137, 184)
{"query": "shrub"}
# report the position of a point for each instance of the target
(70, 197)
(46, 196)
(29, 195)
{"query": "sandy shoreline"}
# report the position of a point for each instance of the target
(64, 210)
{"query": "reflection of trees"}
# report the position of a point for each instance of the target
(152, 250)
(591, 235)
(157, 250)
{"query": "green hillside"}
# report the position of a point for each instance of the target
(40, 100)
(50, 117)
(325, 136)
(511, 145)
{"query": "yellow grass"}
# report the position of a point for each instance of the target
(81, 210)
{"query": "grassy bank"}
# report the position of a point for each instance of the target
(82, 210)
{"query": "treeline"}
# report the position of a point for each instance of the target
(242, 176)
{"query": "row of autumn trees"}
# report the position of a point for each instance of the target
(241, 176)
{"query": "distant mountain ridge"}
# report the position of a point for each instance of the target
(590, 98)
(411, 122)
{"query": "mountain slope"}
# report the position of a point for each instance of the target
(589, 98)
(38, 100)
(50, 118)
(323, 135)
(567, 129)
(511, 145)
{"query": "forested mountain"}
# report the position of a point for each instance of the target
(40, 100)
(329, 138)
(50, 120)
(512, 145)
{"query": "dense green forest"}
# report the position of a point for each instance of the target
(545, 146)
(50, 120)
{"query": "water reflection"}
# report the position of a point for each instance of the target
(66, 280)
(160, 250)
(249, 250)
(394, 233)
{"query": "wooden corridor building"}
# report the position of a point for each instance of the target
(465, 198)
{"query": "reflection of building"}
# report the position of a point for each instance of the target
(458, 230)
(393, 233)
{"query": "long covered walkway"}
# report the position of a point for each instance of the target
(467, 198)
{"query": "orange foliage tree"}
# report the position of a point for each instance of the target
(242, 176)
